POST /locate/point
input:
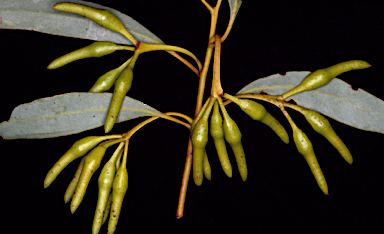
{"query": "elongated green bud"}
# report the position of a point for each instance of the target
(72, 186)
(206, 167)
(78, 149)
(105, 184)
(257, 112)
(106, 81)
(217, 132)
(120, 186)
(304, 146)
(232, 135)
(122, 86)
(322, 77)
(107, 209)
(270, 121)
(91, 164)
(96, 49)
(321, 125)
(199, 139)
(109, 203)
(103, 18)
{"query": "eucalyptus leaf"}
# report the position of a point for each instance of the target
(234, 5)
(38, 15)
(356, 108)
(68, 114)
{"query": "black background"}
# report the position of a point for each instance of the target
(280, 194)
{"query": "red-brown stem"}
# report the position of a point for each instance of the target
(203, 75)
(216, 90)
(188, 161)
(184, 182)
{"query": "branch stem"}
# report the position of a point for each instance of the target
(268, 98)
(130, 48)
(216, 90)
(183, 60)
(184, 181)
(214, 16)
(295, 107)
(203, 77)
(228, 30)
(129, 134)
(189, 119)
(144, 47)
(200, 94)
(209, 7)
(290, 120)
(112, 142)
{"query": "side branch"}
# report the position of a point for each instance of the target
(184, 181)
(183, 60)
(217, 90)
(165, 116)
(144, 47)
(268, 98)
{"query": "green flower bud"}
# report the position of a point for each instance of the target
(232, 135)
(257, 112)
(199, 139)
(96, 49)
(78, 149)
(217, 133)
(103, 18)
(322, 77)
(304, 146)
(321, 125)
(122, 86)
(91, 164)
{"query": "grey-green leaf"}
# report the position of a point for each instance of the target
(234, 6)
(68, 114)
(337, 100)
(38, 15)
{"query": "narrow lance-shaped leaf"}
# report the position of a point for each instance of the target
(337, 100)
(68, 114)
(40, 16)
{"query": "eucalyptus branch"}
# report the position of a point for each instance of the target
(73, 113)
